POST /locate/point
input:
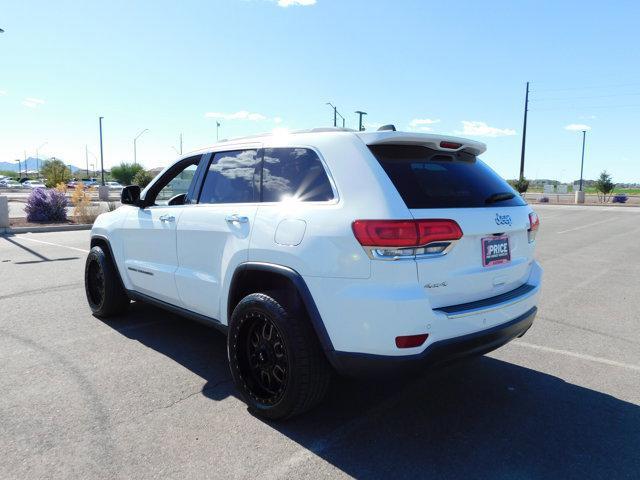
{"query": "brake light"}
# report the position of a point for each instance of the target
(534, 225)
(450, 145)
(411, 341)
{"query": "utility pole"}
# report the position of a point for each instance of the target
(584, 135)
(180, 144)
(86, 157)
(361, 114)
(217, 133)
(19, 169)
(524, 132)
(101, 151)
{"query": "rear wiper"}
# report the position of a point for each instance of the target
(498, 197)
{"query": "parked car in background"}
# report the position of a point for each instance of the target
(9, 183)
(31, 184)
(114, 185)
(89, 182)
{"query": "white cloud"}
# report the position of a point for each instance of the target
(302, 3)
(481, 129)
(3, 92)
(277, 120)
(32, 102)
(416, 122)
(241, 115)
(577, 127)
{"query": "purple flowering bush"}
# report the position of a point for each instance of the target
(46, 206)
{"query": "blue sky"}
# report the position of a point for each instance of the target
(255, 65)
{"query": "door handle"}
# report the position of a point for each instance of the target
(167, 218)
(235, 218)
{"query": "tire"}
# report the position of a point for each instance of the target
(276, 361)
(103, 286)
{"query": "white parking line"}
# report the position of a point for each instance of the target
(581, 356)
(586, 226)
(51, 243)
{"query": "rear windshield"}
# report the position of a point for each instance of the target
(427, 178)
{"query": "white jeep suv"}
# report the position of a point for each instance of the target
(325, 250)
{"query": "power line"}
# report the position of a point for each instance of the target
(584, 107)
(582, 98)
(592, 87)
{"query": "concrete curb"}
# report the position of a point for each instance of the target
(43, 229)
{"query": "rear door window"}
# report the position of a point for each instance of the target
(230, 178)
(294, 173)
(427, 178)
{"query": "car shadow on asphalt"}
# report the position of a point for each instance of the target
(481, 418)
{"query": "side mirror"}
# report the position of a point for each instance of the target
(130, 195)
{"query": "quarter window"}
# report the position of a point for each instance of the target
(294, 173)
(230, 177)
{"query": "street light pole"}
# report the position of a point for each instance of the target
(524, 132)
(101, 151)
(135, 157)
(361, 114)
(335, 113)
(584, 135)
(86, 158)
(19, 169)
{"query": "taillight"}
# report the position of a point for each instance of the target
(437, 231)
(534, 225)
(450, 145)
(406, 238)
(386, 233)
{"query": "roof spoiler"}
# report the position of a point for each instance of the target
(437, 142)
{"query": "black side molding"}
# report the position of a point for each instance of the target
(133, 295)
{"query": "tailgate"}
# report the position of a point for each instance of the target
(477, 267)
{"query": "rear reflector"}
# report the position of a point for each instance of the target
(450, 145)
(405, 233)
(534, 225)
(411, 341)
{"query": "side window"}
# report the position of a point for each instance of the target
(177, 185)
(229, 178)
(295, 173)
(175, 181)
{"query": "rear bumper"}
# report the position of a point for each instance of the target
(443, 351)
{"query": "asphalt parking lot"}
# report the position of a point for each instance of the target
(149, 395)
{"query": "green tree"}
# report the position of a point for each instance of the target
(604, 186)
(55, 172)
(142, 178)
(125, 172)
(521, 185)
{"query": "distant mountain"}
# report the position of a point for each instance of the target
(31, 165)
